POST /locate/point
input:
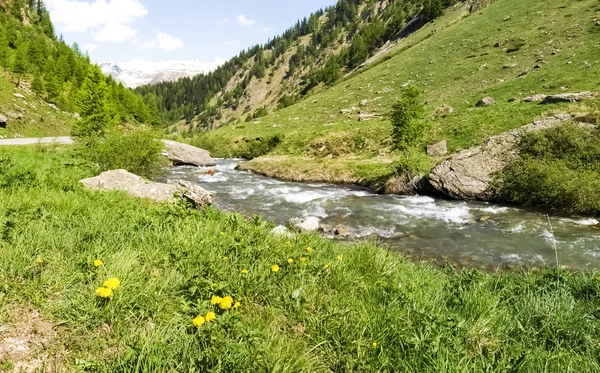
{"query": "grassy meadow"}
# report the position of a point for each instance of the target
(306, 304)
(510, 49)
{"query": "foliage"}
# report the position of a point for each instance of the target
(370, 310)
(138, 152)
(94, 107)
(558, 168)
(254, 148)
(406, 118)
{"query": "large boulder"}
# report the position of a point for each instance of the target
(309, 224)
(569, 97)
(438, 150)
(134, 185)
(186, 155)
(468, 174)
(3, 121)
(486, 101)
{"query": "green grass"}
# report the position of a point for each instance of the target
(321, 316)
(454, 61)
(38, 120)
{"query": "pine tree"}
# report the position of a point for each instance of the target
(94, 107)
(4, 50)
(38, 85)
(21, 63)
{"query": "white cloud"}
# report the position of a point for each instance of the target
(114, 32)
(242, 20)
(164, 41)
(90, 47)
(109, 19)
(148, 44)
(167, 42)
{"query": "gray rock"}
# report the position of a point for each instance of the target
(444, 111)
(122, 180)
(3, 121)
(513, 99)
(364, 102)
(438, 150)
(366, 117)
(18, 95)
(570, 97)
(535, 98)
(341, 231)
(407, 185)
(183, 154)
(281, 231)
(53, 107)
(14, 115)
(309, 224)
(486, 101)
(468, 174)
(509, 66)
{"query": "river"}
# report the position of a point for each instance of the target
(419, 226)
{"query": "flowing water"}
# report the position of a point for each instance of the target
(421, 226)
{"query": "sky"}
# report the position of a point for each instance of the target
(157, 30)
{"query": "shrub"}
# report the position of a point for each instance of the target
(138, 152)
(258, 147)
(558, 168)
(406, 118)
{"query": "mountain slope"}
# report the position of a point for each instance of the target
(511, 49)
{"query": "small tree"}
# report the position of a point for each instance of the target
(407, 117)
(93, 106)
(38, 85)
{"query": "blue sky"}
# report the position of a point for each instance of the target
(155, 30)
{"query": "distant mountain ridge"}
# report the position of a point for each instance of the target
(140, 72)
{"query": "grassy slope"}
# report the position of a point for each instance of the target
(455, 62)
(321, 316)
(38, 119)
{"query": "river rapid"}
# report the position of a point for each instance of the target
(465, 233)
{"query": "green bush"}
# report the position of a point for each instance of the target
(558, 168)
(406, 118)
(255, 148)
(138, 152)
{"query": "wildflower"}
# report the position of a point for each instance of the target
(289, 244)
(216, 300)
(327, 266)
(290, 261)
(275, 268)
(210, 316)
(226, 303)
(245, 271)
(374, 345)
(97, 263)
(222, 233)
(104, 292)
(303, 259)
(339, 257)
(309, 249)
(236, 305)
(112, 283)
(39, 260)
(199, 321)
(225, 258)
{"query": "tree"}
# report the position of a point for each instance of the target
(4, 50)
(38, 85)
(93, 106)
(21, 63)
(406, 118)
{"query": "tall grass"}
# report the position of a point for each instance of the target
(346, 309)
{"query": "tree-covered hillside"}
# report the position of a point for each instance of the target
(35, 60)
(317, 51)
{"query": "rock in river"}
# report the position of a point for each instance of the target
(183, 154)
(309, 224)
(468, 174)
(134, 185)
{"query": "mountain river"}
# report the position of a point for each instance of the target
(419, 226)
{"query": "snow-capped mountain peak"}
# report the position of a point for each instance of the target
(139, 72)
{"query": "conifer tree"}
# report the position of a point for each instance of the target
(93, 106)
(38, 85)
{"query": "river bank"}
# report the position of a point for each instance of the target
(306, 303)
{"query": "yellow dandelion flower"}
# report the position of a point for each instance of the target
(245, 271)
(374, 345)
(289, 244)
(199, 321)
(236, 305)
(225, 258)
(275, 268)
(97, 263)
(112, 283)
(339, 257)
(104, 292)
(39, 260)
(210, 316)
(226, 303)
(290, 261)
(327, 266)
(309, 249)
(222, 233)
(303, 259)
(216, 300)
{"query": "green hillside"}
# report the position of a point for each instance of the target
(510, 49)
